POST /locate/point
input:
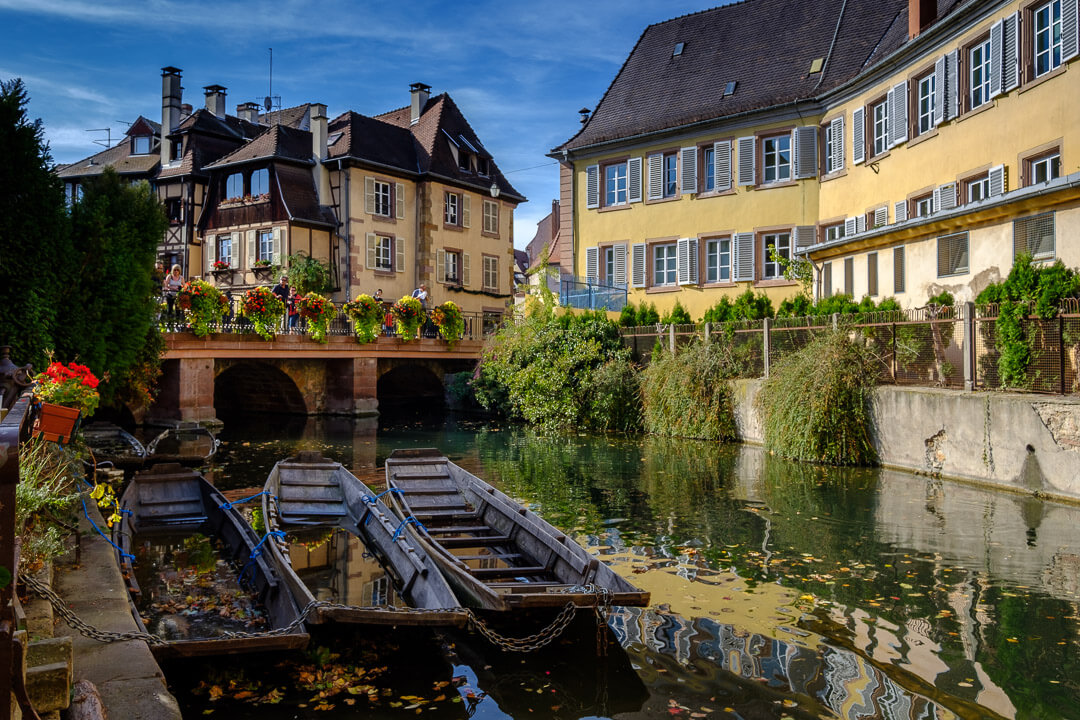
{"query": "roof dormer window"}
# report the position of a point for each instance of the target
(140, 145)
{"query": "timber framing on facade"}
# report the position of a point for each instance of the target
(906, 147)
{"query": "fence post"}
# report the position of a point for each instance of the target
(1061, 352)
(968, 348)
(707, 330)
(671, 337)
(892, 363)
(766, 344)
(835, 321)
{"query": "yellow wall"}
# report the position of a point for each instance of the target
(364, 279)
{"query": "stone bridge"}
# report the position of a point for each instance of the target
(204, 378)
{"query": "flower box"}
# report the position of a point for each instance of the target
(57, 422)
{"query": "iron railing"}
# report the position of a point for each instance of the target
(591, 294)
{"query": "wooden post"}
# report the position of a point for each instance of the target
(766, 325)
(708, 327)
(671, 337)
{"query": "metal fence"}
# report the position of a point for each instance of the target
(591, 295)
(1052, 346)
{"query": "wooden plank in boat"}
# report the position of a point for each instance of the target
(490, 556)
(307, 493)
(467, 542)
(509, 571)
(380, 616)
(215, 647)
(459, 529)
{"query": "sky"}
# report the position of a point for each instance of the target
(520, 71)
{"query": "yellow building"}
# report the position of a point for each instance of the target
(906, 139)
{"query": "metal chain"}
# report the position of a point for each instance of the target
(532, 642)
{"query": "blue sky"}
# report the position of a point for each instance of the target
(519, 71)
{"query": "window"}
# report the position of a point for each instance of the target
(140, 145)
(482, 166)
(1044, 168)
(922, 206)
(776, 152)
(1047, 37)
(849, 276)
(952, 256)
(778, 246)
(491, 217)
(491, 273)
(898, 269)
(718, 260)
(234, 186)
(664, 265)
(224, 249)
(73, 193)
(177, 149)
(671, 175)
(826, 279)
(979, 74)
(264, 250)
(452, 274)
(834, 232)
(879, 115)
(708, 158)
(977, 188)
(260, 182)
(383, 198)
(615, 184)
(609, 263)
(453, 209)
(871, 274)
(384, 253)
(1035, 236)
(926, 90)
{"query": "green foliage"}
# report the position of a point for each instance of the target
(688, 393)
(613, 391)
(677, 315)
(815, 404)
(747, 306)
(628, 315)
(942, 299)
(308, 274)
(799, 306)
(647, 314)
(367, 317)
(43, 498)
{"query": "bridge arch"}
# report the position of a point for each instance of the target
(411, 382)
(250, 386)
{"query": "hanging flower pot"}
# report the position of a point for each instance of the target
(57, 423)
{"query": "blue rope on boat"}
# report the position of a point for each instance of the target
(93, 525)
(229, 504)
(257, 551)
(401, 528)
(369, 499)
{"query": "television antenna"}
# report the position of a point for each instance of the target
(107, 141)
(271, 100)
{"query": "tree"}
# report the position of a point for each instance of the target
(309, 274)
(34, 240)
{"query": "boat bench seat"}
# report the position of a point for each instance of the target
(467, 542)
(523, 571)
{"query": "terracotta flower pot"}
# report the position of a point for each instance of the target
(57, 422)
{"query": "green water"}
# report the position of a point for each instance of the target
(778, 590)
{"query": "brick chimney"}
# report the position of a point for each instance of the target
(171, 95)
(215, 100)
(248, 111)
(319, 151)
(920, 14)
(420, 94)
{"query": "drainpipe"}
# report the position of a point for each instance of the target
(348, 229)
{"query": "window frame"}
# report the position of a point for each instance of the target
(136, 140)
(767, 263)
(264, 244)
(982, 44)
(389, 246)
(707, 161)
(826, 230)
(669, 176)
(968, 184)
(872, 121)
(493, 229)
(923, 105)
(957, 270)
(228, 181)
(1045, 255)
(671, 256)
(455, 255)
(615, 166)
(452, 209)
(1033, 37)
(917, 202)
(383, 191)
(717, 265)
(224, 241)
(262, 172)
(1052, 161)
(764, 167)
(490, 265)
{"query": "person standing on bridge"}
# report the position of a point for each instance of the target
(282, 291)
(171, 285)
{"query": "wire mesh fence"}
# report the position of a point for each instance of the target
(1027, 352)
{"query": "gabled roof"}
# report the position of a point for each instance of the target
(205, 122)
(299, 196)
(765, 47)
(298, 117)
(278, 142)
(118, 157)
(144, 126)
(367, 139)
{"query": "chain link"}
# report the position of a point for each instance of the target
(532, 642)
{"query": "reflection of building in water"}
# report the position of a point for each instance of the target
(342, 570)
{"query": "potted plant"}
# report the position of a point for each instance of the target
(220, 265)
(263, 269)
(203, 305)
(318, 311)
(264, 309)
(408, 317)
(447, 318)
(65, 392)
(366, 314)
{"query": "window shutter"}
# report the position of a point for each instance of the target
(592, 264)
(997, 48)
(940, 86)
(945, 197)
(688, 176)
(211, 252)
(686, 254)
(399, 254)
(466, 210)
(620, 265)
(746, 160)
(592, 186)
(656, 179)
(281, 240)
(860, 223)
(898, 269)
(806, 142)
(637, 265)
(466, 270)
(826, 279)
(744, 257)
(881, 216)
(849, 276)
(633, 174)
(898, 113)
(440, 265)
(836, 130)
(871, 274)
(369, 195)
(999, 180)
(1070, 30)
(900, 211)
(693, 252)
(722, 164)
(858, 139)
(952, 87)
(805, 236)
(850, 227)
(399, 200)
(1010, 49)
(252, 248)
(371, 251)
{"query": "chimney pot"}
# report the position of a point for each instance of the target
(920, 14)
(215, 99)
(171, 95)
(419, 94)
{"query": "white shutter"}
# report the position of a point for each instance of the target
(592, 264)
(466, 270)
(399, 200)
(850, 227)
(656, 177)
(898, 113)
(633, 172)
(1070, 30)
(371, 239)
(997, 49)
(281, 241)
(466, 210)
(722, 165)
(399, 254)
(858, 135)
(369, 195)
(252, 248)
(881, 216)
(836, 134)
(440, 265)
(620, 265)
(805, 236)
(688, 183)
(952, 88)
(940, 87)
(860, 223)
(744, 257)
(747, 164)
(693, 265)
(592, 186)
(210, 243)
(637, 265)
(806, 144)
(1010, 50)
(945, 197)
(687, 261)
(998, 180)
(900, 211)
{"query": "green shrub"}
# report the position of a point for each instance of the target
(628, 316)
(647, 314)
(43, 499)
(688, 393)
(747, 306)
(614, 397)
(677, 315)
(815, 405)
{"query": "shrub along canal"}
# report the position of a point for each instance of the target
(778, 590)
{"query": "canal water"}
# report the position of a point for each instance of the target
(778, 590)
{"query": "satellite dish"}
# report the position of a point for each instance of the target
(268, 103)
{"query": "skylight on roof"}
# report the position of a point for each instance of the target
(729, 89)
(334, 138)
(678, 49)
(816, 65)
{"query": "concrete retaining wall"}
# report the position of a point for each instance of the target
(1022, 442)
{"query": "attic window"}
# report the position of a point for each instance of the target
(678, 49)
(729, 89)
(334, 138)
(466, 143)
(140, 145)
(815, 65)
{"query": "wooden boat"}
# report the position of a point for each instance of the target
(313, 491)
(188, 443)
(171, 501)
(110, 443)
(496, 554)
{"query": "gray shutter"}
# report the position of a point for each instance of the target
(860, 223)
(849, 276)
(836, 128)
(826, 279)
(399, 254)
(997, 48)
(805, 236)
(1010, 50)
(466, 211)
(369, 195)
(466, 270)
(370, 251)
(1070, 30)
(399, 200)
(850, 227)
(998, 180)
(637, 265)
(722, 165)
(744, 257)
(688, 177)
(281, 240)
(592, 186)
(806, 143)
(858, 135)
(252, 248)
(871, 274)
(633, 172)
(900, 211)
(592, 264)
(686, 254)
(881, 216)
(440, 265)
(940, 86)
(898, 269)
(747, 164)
(210, 244)
(945, 197)
(952, 89)
(693, 252)
(656, 177)
(620, 265)
(898, 113)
